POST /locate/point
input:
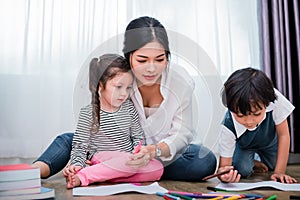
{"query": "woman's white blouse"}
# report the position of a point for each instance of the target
(172, 121)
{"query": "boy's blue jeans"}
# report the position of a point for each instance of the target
(243, 159)
(195, 163)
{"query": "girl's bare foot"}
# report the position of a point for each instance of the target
(73, 181)
(44, 168)
(259, 167)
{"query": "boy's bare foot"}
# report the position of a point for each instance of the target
(259, 167)
(73, 181)
(44, 168)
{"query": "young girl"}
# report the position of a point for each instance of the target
(108, 129)
(254, 125)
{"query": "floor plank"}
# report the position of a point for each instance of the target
(58, 183)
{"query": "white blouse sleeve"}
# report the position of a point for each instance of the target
(180, 134)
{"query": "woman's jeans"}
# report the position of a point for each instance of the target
(57, 155)
(195, 163)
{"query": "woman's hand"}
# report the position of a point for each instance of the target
(71, 169)
(139, 159)
(231, 177)
(283, 178)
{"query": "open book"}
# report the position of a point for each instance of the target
(257, 185)
(118, 188)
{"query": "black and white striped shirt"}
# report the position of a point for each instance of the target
(119, 131)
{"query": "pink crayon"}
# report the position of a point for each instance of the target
(138, 147)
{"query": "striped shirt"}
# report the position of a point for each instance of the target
(119, 131)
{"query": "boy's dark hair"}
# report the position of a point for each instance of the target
(142, 31)
(245, 88)
(101, 70)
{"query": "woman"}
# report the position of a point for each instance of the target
(162, 95)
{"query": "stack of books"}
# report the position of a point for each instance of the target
(22, 181)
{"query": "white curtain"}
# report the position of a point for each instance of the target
(46, 45)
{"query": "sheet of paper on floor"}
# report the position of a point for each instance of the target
(118, 188)
(261, 184)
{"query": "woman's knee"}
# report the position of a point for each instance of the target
(65, 139)
(204, 164)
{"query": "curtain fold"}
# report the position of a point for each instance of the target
(281, 52)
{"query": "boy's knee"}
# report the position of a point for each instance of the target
(244, 170)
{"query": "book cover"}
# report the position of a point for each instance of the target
(16, 172)
(45, 193)
(20, 191)
(13, 185)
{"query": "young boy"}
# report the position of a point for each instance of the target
(255, 125)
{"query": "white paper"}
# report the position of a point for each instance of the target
(118, 188)
(248, 186)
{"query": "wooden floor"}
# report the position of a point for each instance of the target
(58, 183)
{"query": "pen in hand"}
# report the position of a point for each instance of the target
(216, 174)
(138, 147)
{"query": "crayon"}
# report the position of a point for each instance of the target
(217, 198)
(138, 147)
(233, 198)
(167, 198)
(182, 196)
(253, 195)
(167, 195)
(216, 174)
(215, 189)
(272, 197)
(227, 194)
(205, 195)
(183, 193)
(243, 195)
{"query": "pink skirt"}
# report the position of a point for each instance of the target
(111, 166)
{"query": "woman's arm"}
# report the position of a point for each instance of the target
(161, 147)
(283, 134)
(181, 130)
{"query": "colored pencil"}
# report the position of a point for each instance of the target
(216, 174)
(182, 196)
(272, 197)
(138, 147)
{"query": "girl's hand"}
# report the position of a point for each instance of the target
(71, 169)
(231, 177)
(139, 159)
(283, 178)
(89, 162)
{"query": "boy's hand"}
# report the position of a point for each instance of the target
(231, 177)
(283, 178)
